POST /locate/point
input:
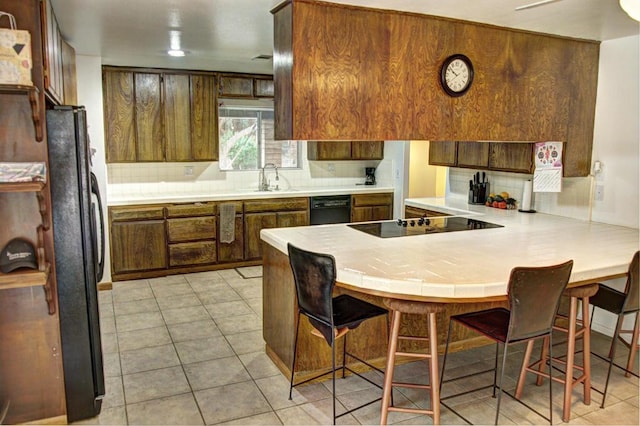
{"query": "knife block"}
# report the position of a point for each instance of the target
(478, 193)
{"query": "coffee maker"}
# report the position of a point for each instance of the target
(370, 175)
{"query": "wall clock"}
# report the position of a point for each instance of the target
(456, 75)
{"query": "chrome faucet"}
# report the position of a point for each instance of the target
(264, 183)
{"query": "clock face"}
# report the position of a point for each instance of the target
(456, 75)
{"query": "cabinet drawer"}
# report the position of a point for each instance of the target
(189, 229)
(195, 209)
(197, 253)
(359, 200)
(276, 205)
(136, 213)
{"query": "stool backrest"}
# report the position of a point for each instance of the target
(315, 277)
(534, 297)
(632, 300)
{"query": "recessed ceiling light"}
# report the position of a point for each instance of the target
(176, 52)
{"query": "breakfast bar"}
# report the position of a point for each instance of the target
(468, 269)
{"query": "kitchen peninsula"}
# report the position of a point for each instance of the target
(469, 269)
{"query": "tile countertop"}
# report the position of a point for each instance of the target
(466, 264)
(123, 199)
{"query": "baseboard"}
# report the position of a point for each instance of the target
(58, 420)
(105, 286)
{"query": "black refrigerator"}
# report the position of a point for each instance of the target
(79, 252)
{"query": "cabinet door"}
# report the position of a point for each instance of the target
(339, 150)
(361, 214)
(148, 117)
(263, 88)
(241, 87)
(204, 118)
(367, 150)
(119, 113)
(287, 219)
(53, 79)
(442, 153)
(69, 74)
(253, 224)
(177, 117)
(473, 154)
(234, 251)
(511, 157)
(138, 246)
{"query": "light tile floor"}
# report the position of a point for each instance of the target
(188, 350)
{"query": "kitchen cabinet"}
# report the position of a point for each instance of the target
(245, 86)
(498, 156)
(514, 98)
(204, 118)
(69, 75)
(191, 234)
(119, 116)
(413, 212)
(271, 213)
(368, 207)
(177, 117)
(52, 42)
(233, 251)
(443, 153)
(147, 95)
(138, 240)
(345, 150)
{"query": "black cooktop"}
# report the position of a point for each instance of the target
(421, 226)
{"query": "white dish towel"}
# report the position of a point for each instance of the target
(227, 222)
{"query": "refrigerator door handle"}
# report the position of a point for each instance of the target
(95, 189)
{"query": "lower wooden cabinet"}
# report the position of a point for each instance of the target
(411, 212)
(368, 207)
(138, 246)
(194, 253)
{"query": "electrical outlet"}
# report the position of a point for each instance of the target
(188, 170)
(331, 167)
(599, 195)
(397, 173)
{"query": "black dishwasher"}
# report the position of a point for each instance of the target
(330, 209)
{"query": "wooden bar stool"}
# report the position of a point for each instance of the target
(399, 307)
(576, 328)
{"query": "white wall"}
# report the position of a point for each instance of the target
(89, 75)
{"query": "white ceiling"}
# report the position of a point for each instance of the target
(225, 35)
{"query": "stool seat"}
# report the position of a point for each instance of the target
(582, 291)
(413, 307)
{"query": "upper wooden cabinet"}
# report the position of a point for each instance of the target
(333, 84)
(159, 116)
(499, 156)
(345, 150)
(245, 86)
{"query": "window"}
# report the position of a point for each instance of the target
(245, 129)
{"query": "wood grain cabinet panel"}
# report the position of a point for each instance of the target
(192, 228)
(192, 209)
(233, 251)
(204, 118)
(367, 150)
(233, 86)
(511, 157)
(177, 117)
(148, 117)
(443, 153)
(337, 150)
(263, 87)
(517, 93)
(368, 207)
(119, 116)
(194, 253)
(253, 224)
(138, 246)
(136, 213)
(473, 155)
(412, 212)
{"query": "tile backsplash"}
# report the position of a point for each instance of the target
(206, 177)
(573, 201)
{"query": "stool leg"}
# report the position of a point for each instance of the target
(523, 370)
(293, 364)
(543, 355)
(433, 367)
(586, 351)
(571, 353)
(634, 346)
(391, 360)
